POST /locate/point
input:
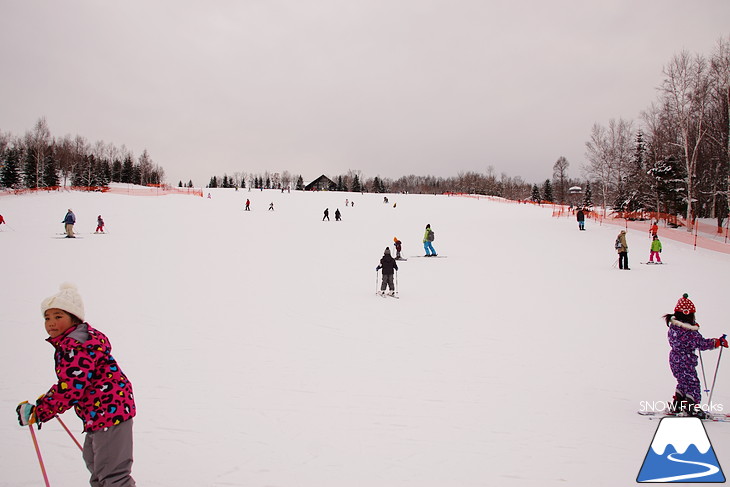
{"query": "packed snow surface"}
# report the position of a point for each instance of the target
(261, 356)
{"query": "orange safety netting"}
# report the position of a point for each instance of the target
(699, 234)
(132, 190)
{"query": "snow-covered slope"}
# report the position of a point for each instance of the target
(260, 354)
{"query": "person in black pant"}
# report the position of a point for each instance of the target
(623, 251)
(581, 217)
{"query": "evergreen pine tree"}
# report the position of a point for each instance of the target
(29, 168)
(300, 183)
(535, 193)
(356, 185)
(116, 171)
(50, 172)
(127, 175)
(190, 183)
(547, 191)
(10, 171)
(588, 196)
(376, 185)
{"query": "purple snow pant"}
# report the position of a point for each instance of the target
(108, 456)
(684, 368)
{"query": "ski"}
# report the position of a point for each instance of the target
(654, 263)
(714, 417)
(386, 295)
(428, 256)
(70, 238)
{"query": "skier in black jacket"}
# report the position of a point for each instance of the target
(389, 265)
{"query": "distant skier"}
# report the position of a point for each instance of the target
(69, 220)
(271, 206)
(2, 220)
(684, 338)
(398, 246)
(99, 225)
(338, 215)
(623, 251)
(428, 237)
(654, 229)
(656, 248)
(326, 214)
(248, 205)
(389, 265)
(347, 202)
(581, 217)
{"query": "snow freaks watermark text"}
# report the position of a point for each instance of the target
(677, 407)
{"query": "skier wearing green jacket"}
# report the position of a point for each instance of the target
(428, 237)
(656, 248)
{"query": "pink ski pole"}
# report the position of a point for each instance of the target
(69, 433)
(40, 458)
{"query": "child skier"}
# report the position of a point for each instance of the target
(428, 237)
(684, 338)
(99, 224)
(389, 265)
(655, 250)
(90, 381)
(398, 247)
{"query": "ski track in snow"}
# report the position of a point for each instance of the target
(259, 355)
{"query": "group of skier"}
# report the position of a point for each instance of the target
(70, 220)
(622, 247)
(389, 265)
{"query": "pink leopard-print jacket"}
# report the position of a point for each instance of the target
(89, 380)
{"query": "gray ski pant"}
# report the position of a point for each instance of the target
(108, 456)
(387, 281)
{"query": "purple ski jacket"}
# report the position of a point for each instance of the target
(89, 380)
(684, 340)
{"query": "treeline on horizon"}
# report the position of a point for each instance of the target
(675, 159)
(39, 160)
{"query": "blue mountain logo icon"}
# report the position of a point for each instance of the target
(681, 452)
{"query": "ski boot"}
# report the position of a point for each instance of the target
(694, 409)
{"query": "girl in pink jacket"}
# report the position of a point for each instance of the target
(91, 382)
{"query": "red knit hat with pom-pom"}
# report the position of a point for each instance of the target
(684, 305)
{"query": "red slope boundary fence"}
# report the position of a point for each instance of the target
(132, 190)
(698, 234)
(702, 234)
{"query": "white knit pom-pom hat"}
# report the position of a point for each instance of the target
(68, 299)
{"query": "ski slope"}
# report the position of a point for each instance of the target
(261, 356)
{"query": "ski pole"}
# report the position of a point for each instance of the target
(702, 366)
(709, 400)
(376, 281)
(615, 262)
(40, 458)
(69, 433)
(397, 288)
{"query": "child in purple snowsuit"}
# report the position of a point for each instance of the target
(684, 338)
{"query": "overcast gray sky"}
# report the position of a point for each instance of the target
(389, 87)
